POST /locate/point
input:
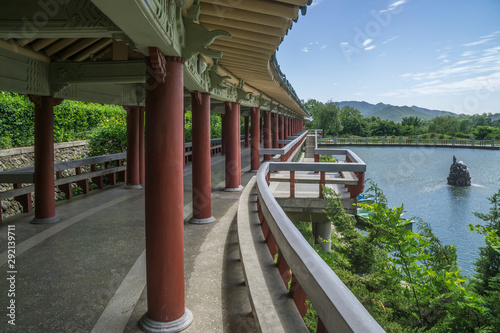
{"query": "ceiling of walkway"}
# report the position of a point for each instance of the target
(257, 28)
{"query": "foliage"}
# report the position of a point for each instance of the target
(72, 120)
(327, 159)
(487, 279)
(349, 121)
(109, 138)
(407, 280)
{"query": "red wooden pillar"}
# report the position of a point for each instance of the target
(267, 133)
(133, 173)
(289, 126)
(184, 138)
(223, 134)
(164, 195)
(285, 121)
(202, 169)
(261, 126)
(45, 210)
(281, 129)
(275, 130)
(233, 147)
(142, 175)
(247, 132)
(255, 157)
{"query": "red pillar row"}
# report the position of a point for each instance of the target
(164, 195)
(133, 147)
(233, 147)
(267, 133)
(202, 168)
(223, 134)
(255, 158)
(45, 210)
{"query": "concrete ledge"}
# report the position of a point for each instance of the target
(273, 309)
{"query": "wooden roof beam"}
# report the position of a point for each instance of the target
(221, 13)
(262, 7)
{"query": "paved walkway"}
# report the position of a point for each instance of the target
(87, 272)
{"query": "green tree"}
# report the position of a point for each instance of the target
(487, 279)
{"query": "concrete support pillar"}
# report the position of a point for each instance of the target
(255, 157)
(133, 167)
(202, 169)
(275, 130)
(164, 195)
(142, 173)
(247, 132)
(323, 235)
(267, 133)
(223, 134)
(286, 128)
(233, 147)
(45, 209)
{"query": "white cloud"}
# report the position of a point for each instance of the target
(479, 42)
(305, 49)
(368, 41)
(371, 47)
(315, 3)
(323, 47)
(390, 40)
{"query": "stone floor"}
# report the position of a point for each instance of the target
(86, 273)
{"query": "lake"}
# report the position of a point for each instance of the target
(416, 177)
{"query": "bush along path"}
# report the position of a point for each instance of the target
(409, 281)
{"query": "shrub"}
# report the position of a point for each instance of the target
(109, 138)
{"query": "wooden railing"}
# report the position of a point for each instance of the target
(453, 142)
(301, 267)
(100, 166)
(291, 145)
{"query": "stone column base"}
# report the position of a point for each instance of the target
(208, 220)
(152, 326)
(231, 189)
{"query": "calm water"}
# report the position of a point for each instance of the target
(416, 177)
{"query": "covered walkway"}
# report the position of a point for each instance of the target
(87, 273)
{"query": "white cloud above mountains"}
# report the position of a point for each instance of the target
(480, 70)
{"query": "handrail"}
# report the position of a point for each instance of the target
(453, 142)
(285, 149)
(338, 309)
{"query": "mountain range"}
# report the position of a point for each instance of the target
(393, 112)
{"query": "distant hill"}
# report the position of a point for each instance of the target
(393, 112)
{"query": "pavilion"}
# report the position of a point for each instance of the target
(156, 58)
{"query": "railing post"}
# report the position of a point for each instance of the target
(24, 200)
(96, 180)
(383, 141)
(284, 269)
(292, 184)
(65, 188)
(350, 140)
(493, 142)
(400, 140)
(366, 140)
(416, 140)
(112, 176)
(335, 140)
(435, 142)
(299, 296)
(84, 183)
(122, 174)
(452, 141)
(322, 177)
(472, 142)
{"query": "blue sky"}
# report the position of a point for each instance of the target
(437, 54)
